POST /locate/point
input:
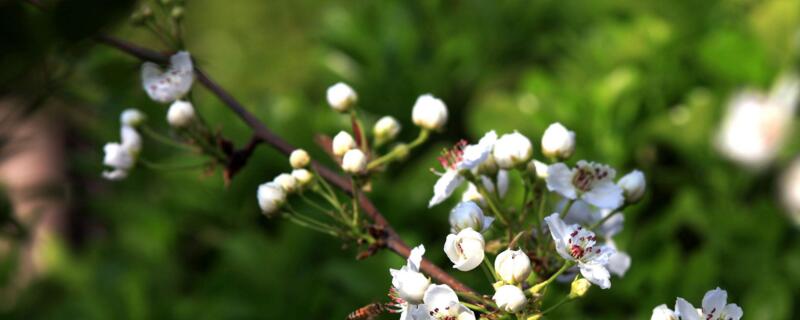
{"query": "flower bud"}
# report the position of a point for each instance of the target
(509, 298)
(513, 266)
(579, 288)
(131, 117)
(429, 112)
(512, 150)
(633, 185)
(177, 13)
(465, 249)
(386, 129)
(354, 161)
(299, 159)
(180, 114)
(468, 215)
(287, 182)
(342, 142)
(558, 142)
(303, 176)
(341, 97)
(270, 197)
(537, 168)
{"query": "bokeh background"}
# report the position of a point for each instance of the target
(644, 84)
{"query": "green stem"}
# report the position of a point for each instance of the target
(566, 208)
(558, 304)
(599, 223)
(538, 287)
(355, 187)
(392, 155)
(488, 265)
(155, 135)
(475, 307)
(161, 166)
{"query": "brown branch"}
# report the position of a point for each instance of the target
(393, 240)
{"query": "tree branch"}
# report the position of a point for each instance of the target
(393, 240)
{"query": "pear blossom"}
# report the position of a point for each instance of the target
(409, 283)
(513, 266)
(465, 249)
(386, 129)
(509, 298)
(130, 139)
(288, 183)
(558, 142)
(633, 186)
(715, 307)
(121, 156)
(132, 117)
(429, 112)
(468, 214)
(180, 114)
(462, 158)
(341, 97)
(271, 197)
(588, 181)
(299, 158)
(442, 304)
(585, 214)
(756, 125)
(342, 142)
(172, 84)
(354, 161)
(662, 312)
(512, 150)
(577, 244)
(303, 176)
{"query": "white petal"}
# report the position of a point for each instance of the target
(487, 222)
(558, 230)
(604, 194)
(596, 273)
(440, 296)
(732, 312)
(115, 175)
(475, 154)
(415, 257)
(445, 186)
(619, 263)
(662, 312)
(559, 180)
(502, 183)
(715, 301)
(473, 259)
(686, 310)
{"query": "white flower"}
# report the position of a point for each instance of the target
(386, 128)
(180, 114)
(303, 176)
(755, 126)
(354, 161)
(467, 214)
(472, 194)
(287, 182)
(558, 142)
(115, 175)
(131, 140)
(662, 312)
(633, 186)
(429, 112)
(577, 244)
(118, 157)
(342, 142)
(513, 266)
(715, 307)
(341, 97)
(589, 181)
(465, 249)
(790, 190)
(172, 84)
(538, 168)
(270, 197)
(299, 158)
(442, 304)
(409, 283)
(461, 158)
(131, 117)
(512, 150)
(509, 298)
(587, 215)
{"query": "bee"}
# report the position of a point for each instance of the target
(367, 312)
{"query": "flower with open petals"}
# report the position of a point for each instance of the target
(409, 283)
(465, 249)
(442, 304)
(589, 181)
(587, 215)
(461, 159)
(172, 84)
(715, 307)
(577, 244)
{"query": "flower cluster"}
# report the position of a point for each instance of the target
(272, 195)
(121, 156)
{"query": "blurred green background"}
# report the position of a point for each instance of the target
(642, 83)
